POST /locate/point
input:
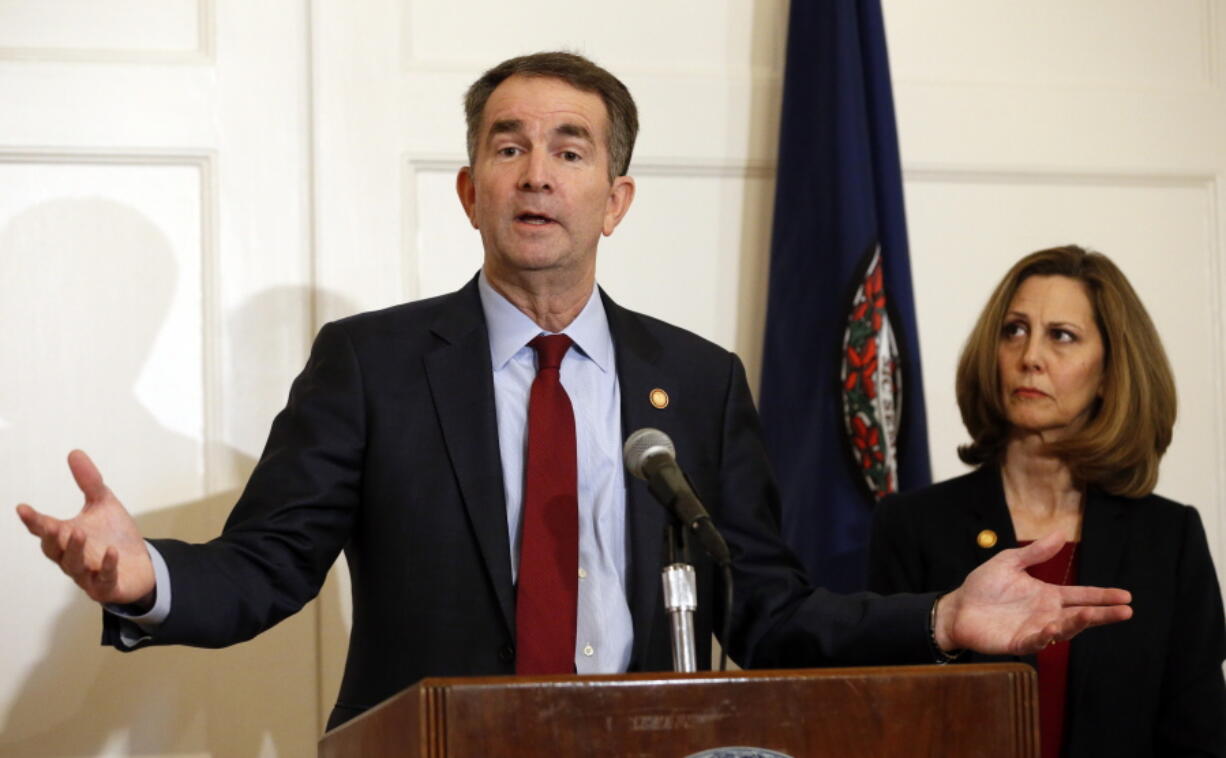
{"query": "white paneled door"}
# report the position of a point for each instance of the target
(155, 301)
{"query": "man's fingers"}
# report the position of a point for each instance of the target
(1093, 596)
(87, 476)
(36, 523)
(53, 545)
(1107, 614)
(108, 573)
(73, 562)
(1076, 621)
(1036, 641)
(1040, 550)
(46, 528)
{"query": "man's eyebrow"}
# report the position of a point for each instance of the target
(506, 126)
(574, 130)
(515, 126)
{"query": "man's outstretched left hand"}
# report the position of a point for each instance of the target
(1002, 610)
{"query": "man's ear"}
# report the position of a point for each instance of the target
(621, 194)
(466, 188)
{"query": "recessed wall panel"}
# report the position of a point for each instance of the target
(693, 252)
(707, 86)
(635, 34)
(446, 250)
(76, 28)
(101, 301)
(1124, 43)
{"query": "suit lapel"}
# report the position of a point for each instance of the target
(990, 513)
(462, 386)
(638, 372)
(1104, 532)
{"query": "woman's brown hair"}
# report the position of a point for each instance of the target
(1120, 446)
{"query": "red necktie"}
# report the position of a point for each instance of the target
(548, 593)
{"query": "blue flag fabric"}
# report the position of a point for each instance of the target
(841, 395)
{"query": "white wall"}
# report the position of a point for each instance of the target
(188, 188)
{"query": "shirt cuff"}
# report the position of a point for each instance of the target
(135, 628)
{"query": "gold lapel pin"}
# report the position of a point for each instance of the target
(986, 539)
(658, 398)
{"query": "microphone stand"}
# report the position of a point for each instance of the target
(680, 599)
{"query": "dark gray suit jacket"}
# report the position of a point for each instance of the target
(388, 450)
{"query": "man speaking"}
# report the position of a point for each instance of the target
(465, 452)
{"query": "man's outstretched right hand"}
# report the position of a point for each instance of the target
(101, 548)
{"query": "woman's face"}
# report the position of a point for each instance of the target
(1050, 359)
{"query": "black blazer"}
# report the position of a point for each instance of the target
(1150, 686)
(388, 449)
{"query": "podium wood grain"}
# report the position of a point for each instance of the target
(947, 711)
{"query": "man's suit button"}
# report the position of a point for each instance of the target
(506, 653)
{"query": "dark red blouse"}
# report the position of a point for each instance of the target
(1053, 659)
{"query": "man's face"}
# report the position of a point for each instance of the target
(539, 189)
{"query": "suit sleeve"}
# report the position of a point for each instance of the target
(894, 563)
(291, 522)
(1192, 714)
(779, 620)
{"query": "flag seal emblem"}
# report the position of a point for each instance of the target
(871, 380)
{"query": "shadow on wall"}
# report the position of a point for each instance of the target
(90, 282)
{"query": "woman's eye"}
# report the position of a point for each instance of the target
(1014, 329)
(1063, 335)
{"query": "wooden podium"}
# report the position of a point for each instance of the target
(950, 711)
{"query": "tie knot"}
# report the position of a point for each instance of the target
(550, 349)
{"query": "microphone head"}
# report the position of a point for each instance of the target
(643, 444)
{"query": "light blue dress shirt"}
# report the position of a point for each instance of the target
(604, 632)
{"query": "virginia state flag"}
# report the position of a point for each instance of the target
(841, 397)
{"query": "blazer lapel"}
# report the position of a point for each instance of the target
(638, 373)
(462, 386)
(990, 513)
(1104, 532)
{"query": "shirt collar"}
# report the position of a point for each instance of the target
(510, 329)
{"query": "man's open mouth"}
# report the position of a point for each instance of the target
(534, 218)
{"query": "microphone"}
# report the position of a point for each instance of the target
(649, 455)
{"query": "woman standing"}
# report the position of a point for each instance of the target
(1069, 400)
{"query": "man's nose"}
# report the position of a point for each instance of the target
(536, 176)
